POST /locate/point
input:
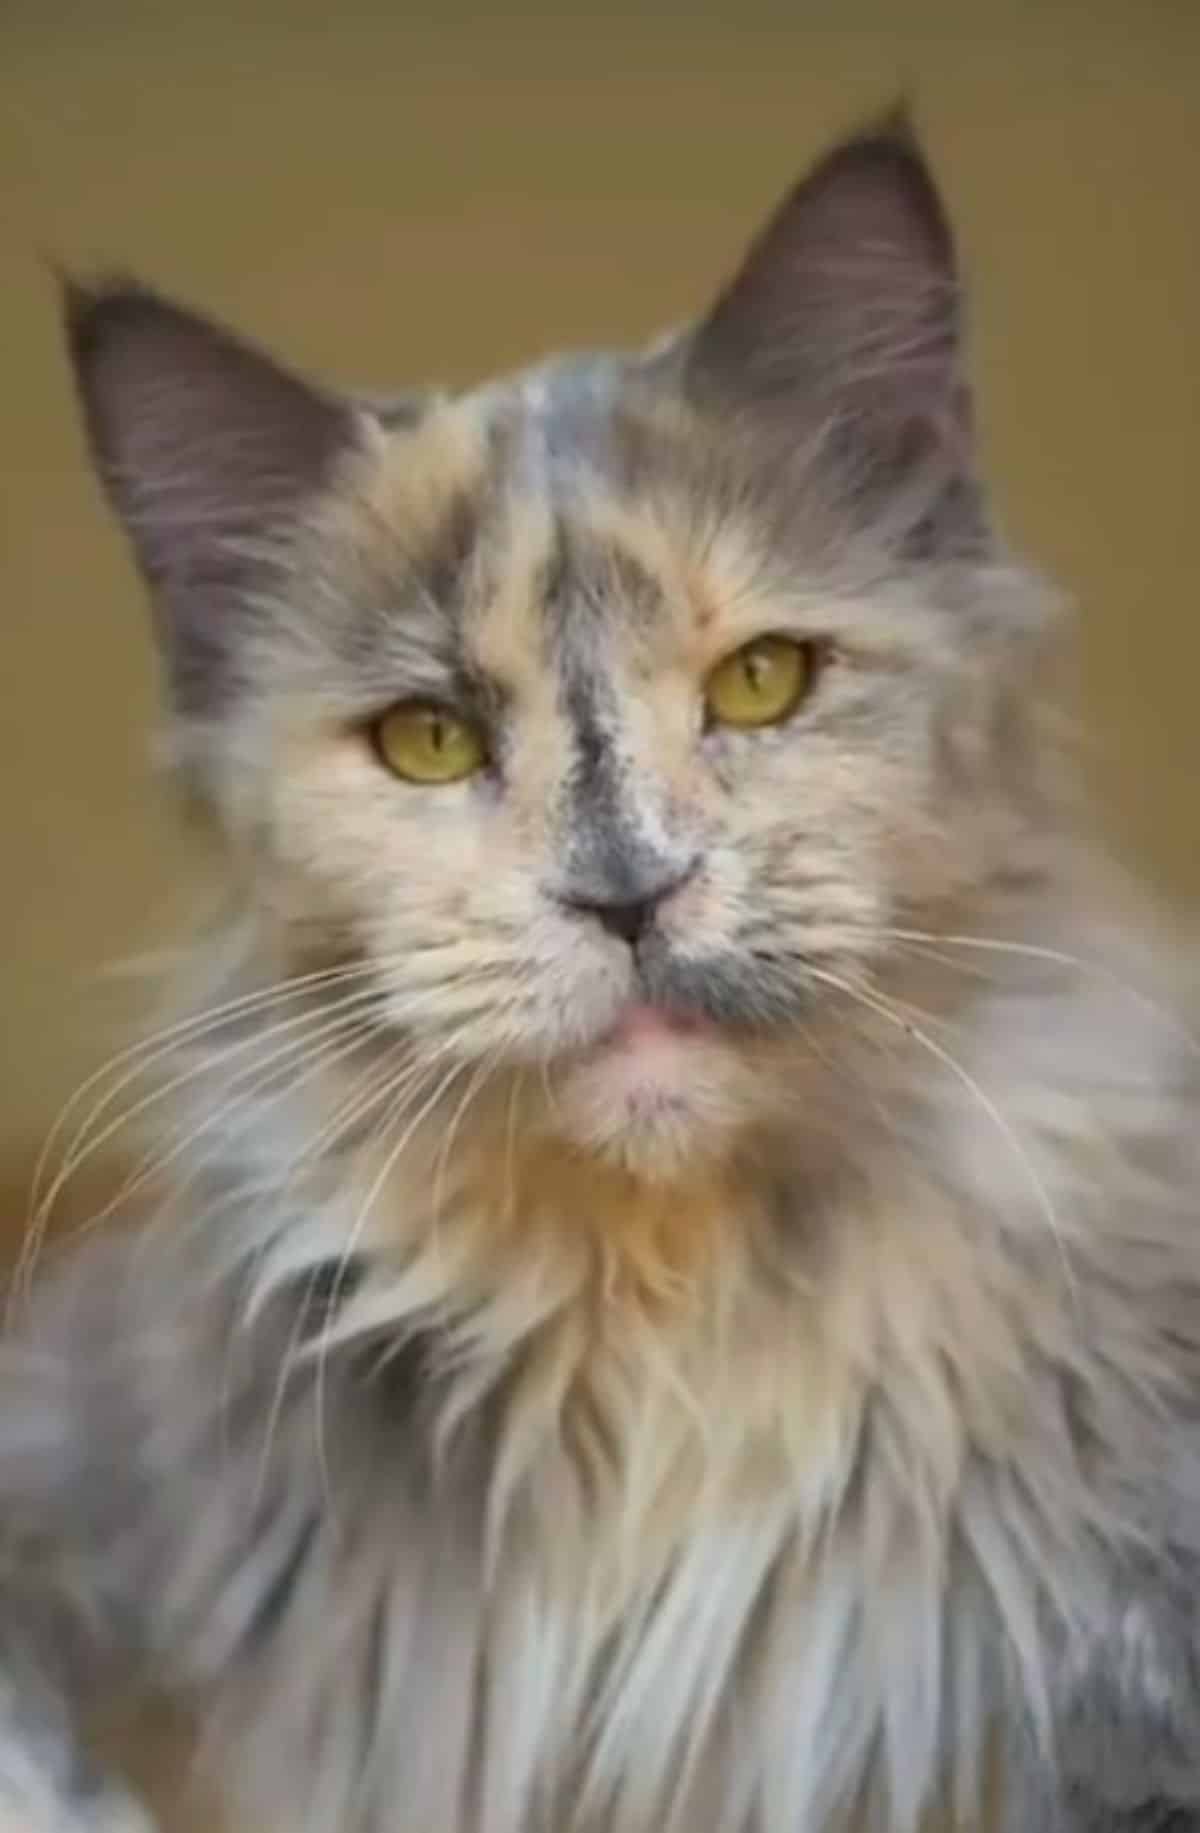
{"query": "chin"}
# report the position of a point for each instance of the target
(654, 1103)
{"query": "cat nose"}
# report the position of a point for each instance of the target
(623, 915)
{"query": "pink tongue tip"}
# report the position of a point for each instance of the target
(644, 1023)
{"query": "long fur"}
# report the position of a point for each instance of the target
(481, 1443)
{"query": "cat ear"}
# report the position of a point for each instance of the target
(206, 449)
(844, 320)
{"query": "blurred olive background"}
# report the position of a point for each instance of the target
(388, 192)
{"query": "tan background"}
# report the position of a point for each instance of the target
(388, 195)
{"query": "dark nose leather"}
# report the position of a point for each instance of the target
(625, 916)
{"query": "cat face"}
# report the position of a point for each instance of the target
(616, 713)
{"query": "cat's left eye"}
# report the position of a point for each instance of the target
(426, 743)
(761, 684)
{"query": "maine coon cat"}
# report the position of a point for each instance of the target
(673, 1302)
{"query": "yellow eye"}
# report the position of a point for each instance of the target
(761, 684)
(425, 743)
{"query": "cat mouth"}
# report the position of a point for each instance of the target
(643, 1025)
(654, 1086)
(647, 1042)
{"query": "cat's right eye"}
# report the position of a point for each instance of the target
(760, 684)
(421, 742)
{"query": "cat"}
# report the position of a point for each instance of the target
(673, 1298)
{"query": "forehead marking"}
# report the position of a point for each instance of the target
(444, 457)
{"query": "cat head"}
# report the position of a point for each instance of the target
(616, 713)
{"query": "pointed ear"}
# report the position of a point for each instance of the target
(844, 321)
(206, 449)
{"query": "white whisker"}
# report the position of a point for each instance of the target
(158, 1045)
(390, 1161)
(1003, 1126)
(1054, 957)
(312, 1027)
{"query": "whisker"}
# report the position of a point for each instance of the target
(256, 1103)
(161, 1043)
(142, 1056)
(345, 1258)
(486, 1067)
(1054, 957)
(317, 1028)
(73, 1154)
(251, 1100)
(393, 1081)
(397, 1081)
(1003, 1126)
(346, 1035)
(310, 1025)
(386, 1080)
(510, 1141)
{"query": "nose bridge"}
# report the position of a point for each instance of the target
(617, 840)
